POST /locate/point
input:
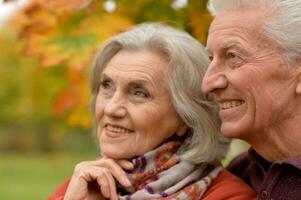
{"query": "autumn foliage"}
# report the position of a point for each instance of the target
(55, 41)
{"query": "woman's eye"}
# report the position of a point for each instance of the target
(106, 85)
(141, 93)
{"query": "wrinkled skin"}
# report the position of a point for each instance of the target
(134, 114)
(248, 77)
(134, 96)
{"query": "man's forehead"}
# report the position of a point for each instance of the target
(250, 19)
(229, 30)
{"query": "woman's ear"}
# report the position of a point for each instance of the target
(182, 130)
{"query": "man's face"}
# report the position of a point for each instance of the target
(247, 76)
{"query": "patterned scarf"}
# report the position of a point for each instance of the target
(160, 174)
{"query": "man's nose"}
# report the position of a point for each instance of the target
(213, 79)
(115, 106)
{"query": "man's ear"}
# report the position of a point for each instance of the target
(182, 130)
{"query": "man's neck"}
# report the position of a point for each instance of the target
(279, 144)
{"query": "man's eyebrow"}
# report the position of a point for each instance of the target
(228, 45)
(225, 45)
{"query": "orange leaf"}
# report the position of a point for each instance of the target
(63, 5)
(63, 102)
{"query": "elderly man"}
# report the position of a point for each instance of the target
(255, 77)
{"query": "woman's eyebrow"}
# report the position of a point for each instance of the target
(140, 82)
(104, 76)
(131, 82)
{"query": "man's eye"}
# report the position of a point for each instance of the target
(233, 60)
(231, 55)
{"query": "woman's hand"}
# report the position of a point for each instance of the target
(102, 173)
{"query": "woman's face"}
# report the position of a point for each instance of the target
(133, 106)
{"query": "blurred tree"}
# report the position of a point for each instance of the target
(25, 97)
(46, 89)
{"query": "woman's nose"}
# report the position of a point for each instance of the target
(115, 106)
(213, 79)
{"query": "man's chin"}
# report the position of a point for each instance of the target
(229, 130)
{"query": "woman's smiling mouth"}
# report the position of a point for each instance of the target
(116, 131)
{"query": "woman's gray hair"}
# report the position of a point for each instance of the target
(187, 62)
(282, 25)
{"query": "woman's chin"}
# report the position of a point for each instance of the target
(116, 155)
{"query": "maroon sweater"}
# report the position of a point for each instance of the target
(280, 180)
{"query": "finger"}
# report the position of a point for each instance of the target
(104, 179)
(107, 184)
(125, 164)
(104, 185)
(84, 172)
(112, 185)
(116, 171)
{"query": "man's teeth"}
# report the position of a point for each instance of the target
(117, 129)
(231, 104)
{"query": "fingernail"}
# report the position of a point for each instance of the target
(130, 165)
(127, 183)
(106, 193)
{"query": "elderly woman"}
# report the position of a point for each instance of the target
(158, 135)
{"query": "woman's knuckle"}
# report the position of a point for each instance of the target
(80, 167)
(105, 170)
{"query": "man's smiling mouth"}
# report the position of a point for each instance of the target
(230, 104)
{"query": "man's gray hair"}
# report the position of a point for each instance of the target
(187, 62)
(282, 24)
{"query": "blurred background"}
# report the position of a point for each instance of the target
(46, 47)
